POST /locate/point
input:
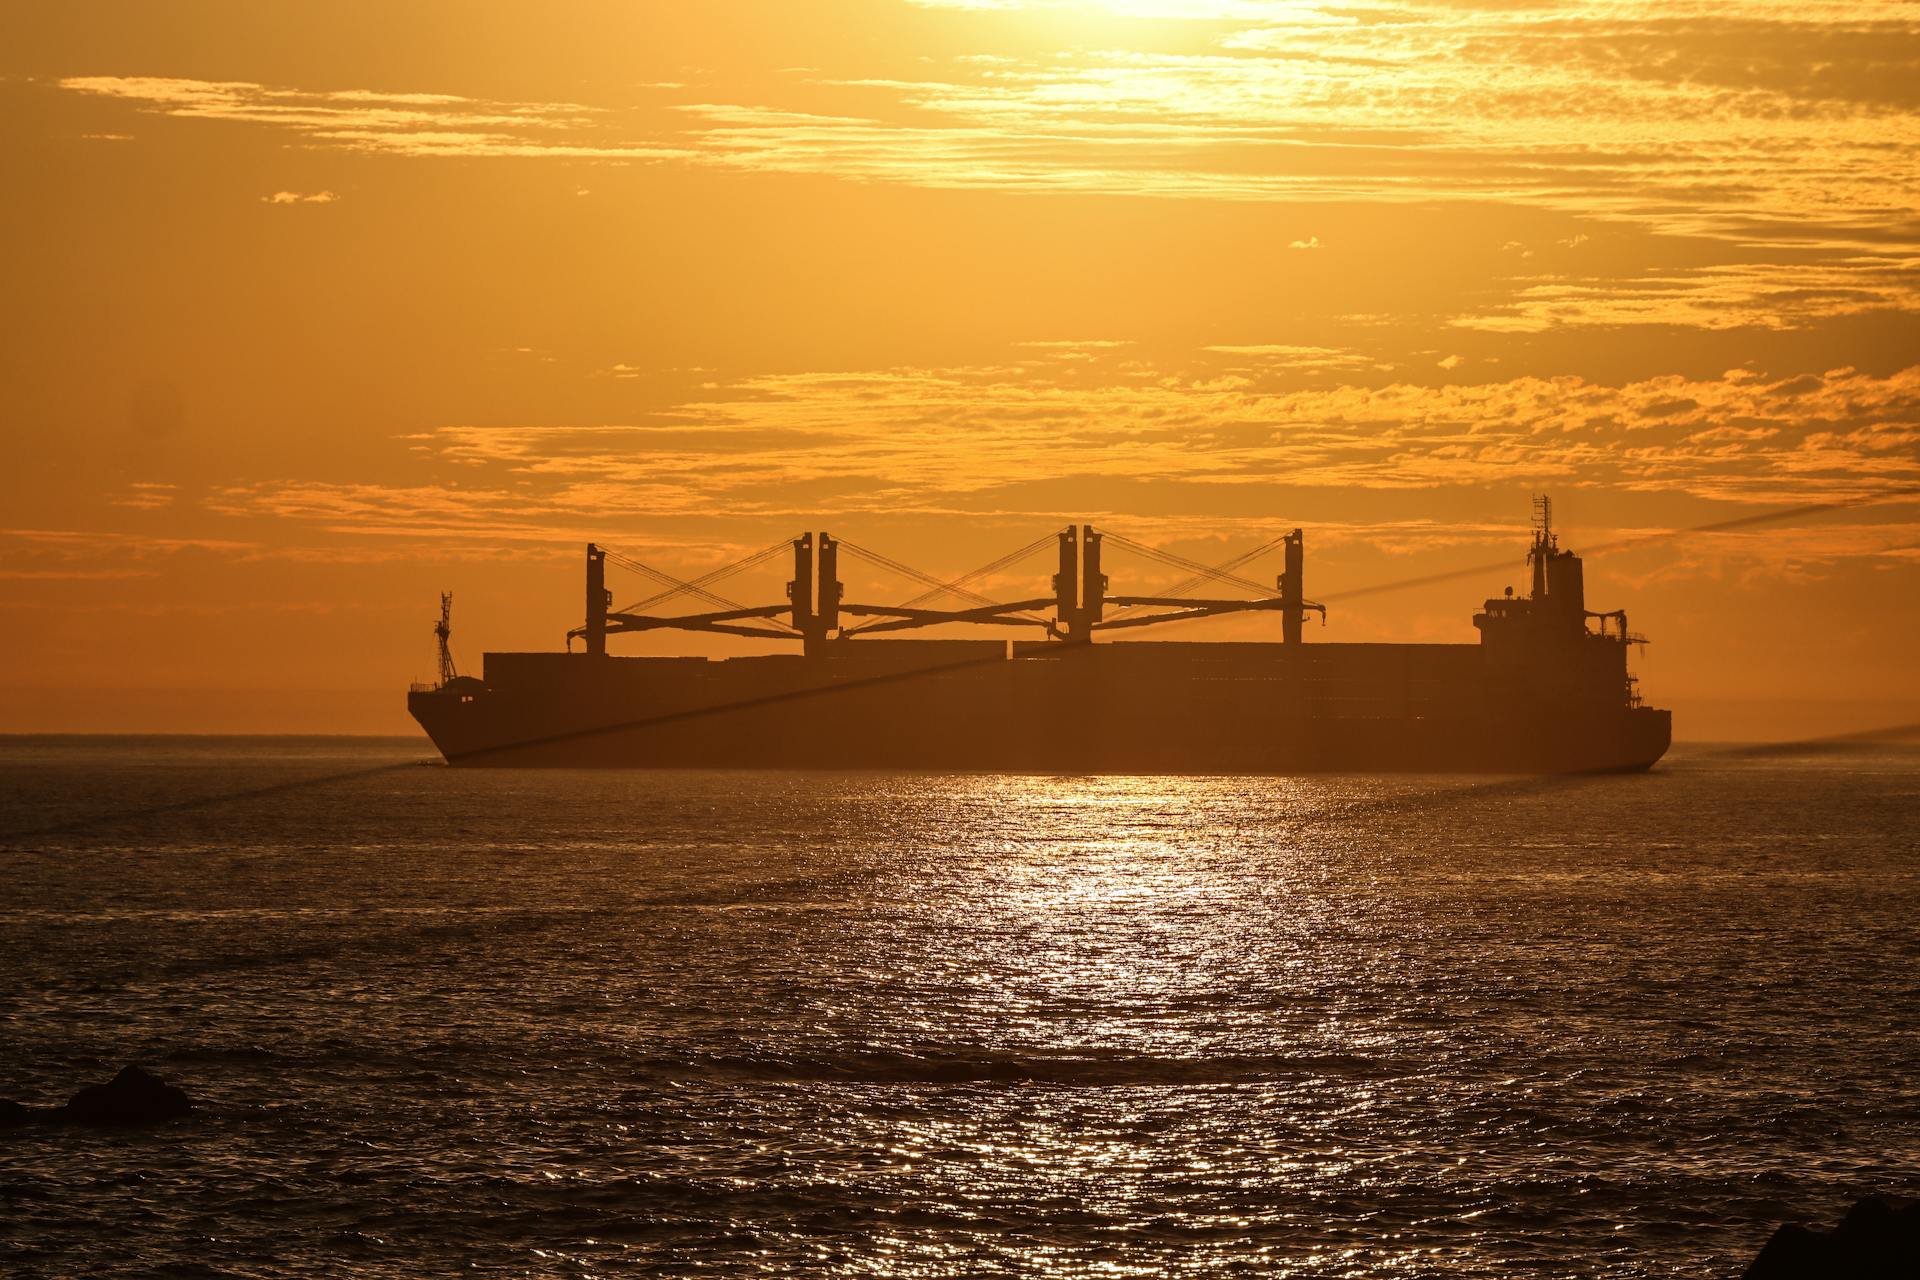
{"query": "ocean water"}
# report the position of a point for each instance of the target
(572, 1023)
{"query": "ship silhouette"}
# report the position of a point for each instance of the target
(1545, 690)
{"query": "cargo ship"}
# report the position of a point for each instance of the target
(1545, 689)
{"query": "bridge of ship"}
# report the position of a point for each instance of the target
(816, 612)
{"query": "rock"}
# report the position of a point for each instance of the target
(14, 1114)
(1878, 1238)
(132, 1097)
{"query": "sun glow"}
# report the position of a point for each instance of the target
(1260, 11)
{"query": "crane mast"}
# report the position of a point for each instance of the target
(443, 633)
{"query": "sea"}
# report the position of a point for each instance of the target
(569, 1023)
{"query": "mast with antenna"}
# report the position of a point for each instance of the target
(1544, 543)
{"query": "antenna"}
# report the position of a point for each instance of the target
(1543, 515)
(443, 631)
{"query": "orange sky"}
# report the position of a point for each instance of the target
(316, 309)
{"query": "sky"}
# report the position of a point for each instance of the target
(315, 310)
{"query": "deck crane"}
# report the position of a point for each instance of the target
(816, 605)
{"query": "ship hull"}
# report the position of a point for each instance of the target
(1132, 709)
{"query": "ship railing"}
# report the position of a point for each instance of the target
(422, 686)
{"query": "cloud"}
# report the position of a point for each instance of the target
(1746, 120)
(295, 197)
(1781, 135)
(1720, 122)
(414, 124)
(929, 444)
(1582, 108)
(1780, 295)
(1079, 344)
(1082, 350)
(147, 495)
(1274, 355)
(136, 544)
(74, 555)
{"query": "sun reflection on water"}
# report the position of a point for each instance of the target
(1100, 913)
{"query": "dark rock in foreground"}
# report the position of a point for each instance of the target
(135, 1096)
(1878, 1238)
(14, 1114)
(132, 1097)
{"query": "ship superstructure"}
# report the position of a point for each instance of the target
(1546, 689)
